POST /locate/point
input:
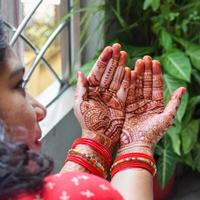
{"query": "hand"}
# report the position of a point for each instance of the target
(146, 117)
(100, 98)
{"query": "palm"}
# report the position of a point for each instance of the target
(101, 112)
(142, 116)
(100, 98)
(146, 118)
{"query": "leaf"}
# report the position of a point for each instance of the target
(155, 4)
(188, 160)
(171, 84)
(182, 107)
(165, 39)
(147, 3)
(191, 108)
(174, 134)
(166, 165)
(177, 64)
(189, 135)
(192, 50)
(136, 53)
(158, 150)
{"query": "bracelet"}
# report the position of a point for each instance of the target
(139, 160)
(78, 159)
(90, 158)
(127, 155)
(133, 165)
(98, 147)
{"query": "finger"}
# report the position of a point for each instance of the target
(147, 82)
(81, 88)
(157, 85)
(111, 67)
(119, 73)
(139, 69)
(123, 90)
(99, 67)
(131, 92)
(172, 106)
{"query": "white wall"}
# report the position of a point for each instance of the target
(59, 139)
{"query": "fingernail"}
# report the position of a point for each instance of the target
(183, 90)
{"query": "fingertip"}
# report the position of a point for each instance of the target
(123, 58)
(156, 67)
(82, 79)
(106, 54)
(133, 76)
(124, 54)
(139, 66)
(128, 69)
(116, 50)
(127, 75)
(116, 45)
(183, 90)
(148, 62)
(147, 57)
(178, 93)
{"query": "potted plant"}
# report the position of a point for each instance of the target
(168, 31)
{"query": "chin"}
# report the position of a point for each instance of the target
(36, 147)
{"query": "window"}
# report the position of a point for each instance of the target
(38, 34)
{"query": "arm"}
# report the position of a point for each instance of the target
(134, 184)
(99, 103)
(146, 121)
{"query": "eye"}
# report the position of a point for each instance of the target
(20, 85)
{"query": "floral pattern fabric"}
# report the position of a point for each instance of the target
(74, 186)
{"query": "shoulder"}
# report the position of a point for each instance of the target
(77, 185)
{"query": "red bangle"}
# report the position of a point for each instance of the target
(84, 163)
(129, 155)
(131, 164)
(98, 147)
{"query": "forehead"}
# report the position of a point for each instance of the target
(11, 62)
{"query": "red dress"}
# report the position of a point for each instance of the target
(74, 186)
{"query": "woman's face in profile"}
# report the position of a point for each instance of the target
(18, 110)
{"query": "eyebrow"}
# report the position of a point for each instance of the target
(17, 71)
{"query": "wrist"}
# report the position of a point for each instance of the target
(90, 154)
(100, 138)
(133, 160)
(132, 148)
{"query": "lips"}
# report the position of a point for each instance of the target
(38, 135)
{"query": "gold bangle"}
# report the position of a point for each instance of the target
(91, 159)
(135, 159)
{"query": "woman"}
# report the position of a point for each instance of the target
(113, 105)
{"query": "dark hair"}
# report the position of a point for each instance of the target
(3, 41)
(21, 170)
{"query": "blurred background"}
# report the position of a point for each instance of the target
(55, 38)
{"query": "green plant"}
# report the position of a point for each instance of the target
(168, 30)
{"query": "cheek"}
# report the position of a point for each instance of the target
(20, 120)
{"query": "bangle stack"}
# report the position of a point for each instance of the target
(135, 160)
(89, 161)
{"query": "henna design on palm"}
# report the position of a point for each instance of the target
(146, 116)
(100, 98)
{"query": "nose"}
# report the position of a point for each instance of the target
(40, 110)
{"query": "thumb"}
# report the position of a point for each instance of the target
(81, 88)
(174, 103)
